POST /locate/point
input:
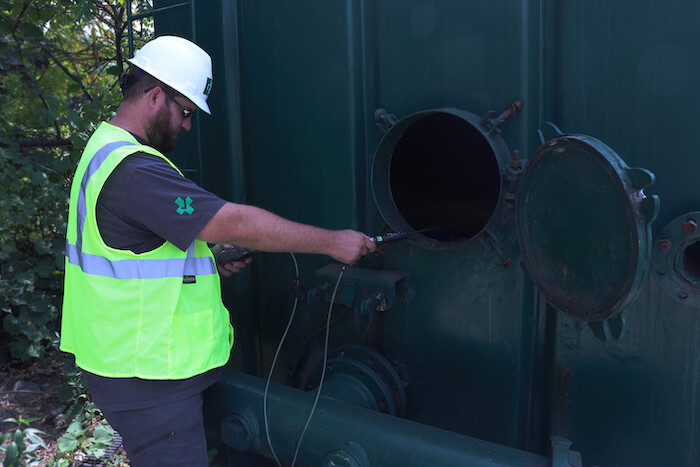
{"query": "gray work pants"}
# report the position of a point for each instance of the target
(166, 435)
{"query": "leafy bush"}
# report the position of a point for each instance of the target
(32, 232)
(59, 63)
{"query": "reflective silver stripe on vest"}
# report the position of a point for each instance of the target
(127, 268)
(93, 166)
(140, 268)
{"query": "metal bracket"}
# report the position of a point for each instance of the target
(609, 329)
(377, 301)
(384, 119)
(552, 127)
(378, 287)
(489, 240)
(511, 176)
(491, 124)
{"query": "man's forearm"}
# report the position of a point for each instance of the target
(252, 227)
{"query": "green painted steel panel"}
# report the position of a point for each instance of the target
(300, 152)
(295, 92)
(625, 76)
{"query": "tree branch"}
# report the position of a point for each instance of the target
(51, 143)
(67, 72)
(39, 143)
(19, 17)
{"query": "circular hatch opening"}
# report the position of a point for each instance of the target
(691, 262)
(444, 175)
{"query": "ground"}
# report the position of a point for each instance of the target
(44, 405)
(33, 390)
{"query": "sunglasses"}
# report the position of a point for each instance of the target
(185, 113)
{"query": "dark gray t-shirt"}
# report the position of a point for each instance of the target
(143, 203)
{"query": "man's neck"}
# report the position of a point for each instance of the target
(124, 120)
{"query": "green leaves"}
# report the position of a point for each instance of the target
(24, 443)
(87, 435)
(31, 32)
(11, 454)
(75, 433)
(84, 10)
(58, 67)
(102, 439)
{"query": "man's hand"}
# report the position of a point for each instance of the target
(229, 269)
(349, 246)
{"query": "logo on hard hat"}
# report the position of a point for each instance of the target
(207, 88)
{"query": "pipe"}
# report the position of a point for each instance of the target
(368, 437)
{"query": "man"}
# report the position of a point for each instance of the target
(142, 308)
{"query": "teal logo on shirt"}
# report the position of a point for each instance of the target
(184, 206)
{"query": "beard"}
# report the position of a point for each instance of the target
(161, 135)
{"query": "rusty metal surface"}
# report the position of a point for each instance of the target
(583, 237)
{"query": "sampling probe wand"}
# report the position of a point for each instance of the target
(237, 253)
(389, 237)
(400, 235)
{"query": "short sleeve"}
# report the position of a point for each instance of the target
(145, 201)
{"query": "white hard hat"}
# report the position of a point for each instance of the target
(180, 64)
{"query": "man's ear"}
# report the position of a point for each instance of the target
(153, 96)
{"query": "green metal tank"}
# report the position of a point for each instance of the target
(548, 313)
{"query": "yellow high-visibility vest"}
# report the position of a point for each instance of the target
(154, 315)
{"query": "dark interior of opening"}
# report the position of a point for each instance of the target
(444, 174)
(691, 261)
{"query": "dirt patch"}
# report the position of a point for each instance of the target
(36, 389)
(32, 390)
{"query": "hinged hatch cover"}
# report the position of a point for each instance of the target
(584, 226)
